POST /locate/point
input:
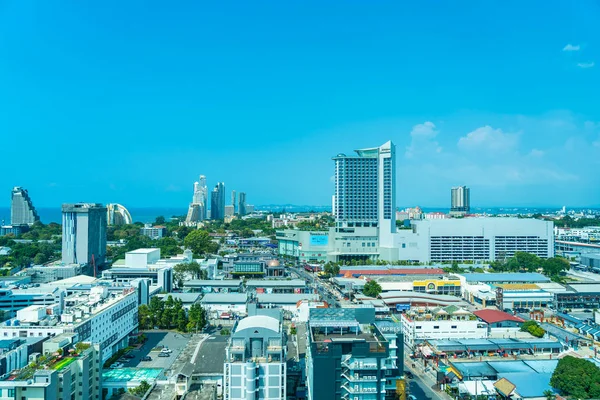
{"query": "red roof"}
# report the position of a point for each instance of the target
(393, 271)
(492, 316)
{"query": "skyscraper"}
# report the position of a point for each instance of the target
(22, 211)
(364, 204)
(198, 207)
(460, 200)
(217, 202)
(204, 196)
(233, 200)
(242, 204)
(365, 188)
(83, 233)
(118, 215)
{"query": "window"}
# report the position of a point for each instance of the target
(453, 326)
(436, 327)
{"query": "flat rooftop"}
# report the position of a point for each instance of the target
(500, 277)
(131, 374)
(212, 283)
(142, 251)
(275, 283)
(211, 356)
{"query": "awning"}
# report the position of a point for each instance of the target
(426, 351)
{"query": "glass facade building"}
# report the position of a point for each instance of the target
(22, 211)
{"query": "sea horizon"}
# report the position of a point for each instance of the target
(149, 214)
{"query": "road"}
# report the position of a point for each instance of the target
(321, 287)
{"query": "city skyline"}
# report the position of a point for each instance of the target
(265, 111)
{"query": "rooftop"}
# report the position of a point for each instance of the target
(285, 298)
(275, 283)
(258, 321)
(211, 355)
(220, 298)
(131, 374)
(499, 277)
(492, 316)
(209, 283)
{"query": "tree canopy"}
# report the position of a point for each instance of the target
(577, 377)
(372, 289)
(200, 242)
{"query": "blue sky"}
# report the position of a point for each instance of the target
(130, 101)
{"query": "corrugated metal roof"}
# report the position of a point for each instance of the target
(506, 277)
(225, 298)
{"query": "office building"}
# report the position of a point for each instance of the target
(203, 196)
(242, 204)
(95, 313)
(451, 321)
(84, 234)
(146, 264)
(22, 211)
(229, 211)
(198, 207)
(475, 239)
(217, 202)
(14, 230)
(255, 360)
(73, 375)
(348, 356)
(460, 200)
(117, 214)
(233, 199)
(305, 246)
(364, 204)
(154, 232)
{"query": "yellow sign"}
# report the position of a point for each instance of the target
(433, 284)
(401, 389)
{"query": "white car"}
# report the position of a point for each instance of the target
(116, 365)
(166, 350)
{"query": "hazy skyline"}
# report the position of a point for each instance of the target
(129, 102)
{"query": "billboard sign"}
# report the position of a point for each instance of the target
(402, 307)
(319, 240)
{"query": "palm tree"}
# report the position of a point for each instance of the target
(549, 394)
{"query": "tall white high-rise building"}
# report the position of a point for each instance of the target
(22, 211)
(364, 202)
(83, 233)
(460, 200)
(204, 195)
(198, 207)
(365, 188)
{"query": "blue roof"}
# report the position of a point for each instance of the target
(570, 318)
(528, 384)
(529, 277)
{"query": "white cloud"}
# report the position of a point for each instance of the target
(424, 130)
(572, 47)
(422, 140)
(586, 64)
(537, 153)
(488, 139)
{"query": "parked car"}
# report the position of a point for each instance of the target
(411, 397)
(409, 374)
(116, 365)
(147, 358)
(161, 354)
(129, 356)
(166, 350)
(587, 310)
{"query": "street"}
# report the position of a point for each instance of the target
(321, 287)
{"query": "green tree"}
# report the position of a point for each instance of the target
(549, 394)
(140, 390)
(527, 261)
(182, 321)
(554, 266)
(533, 328)
(331, 269)
(39, 259)
(372, 288)
(144, 317)
(160, 220)
(156, 310)
(200, 242)
(196, 318)
(576, 377)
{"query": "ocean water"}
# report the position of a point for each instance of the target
(144, 215)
